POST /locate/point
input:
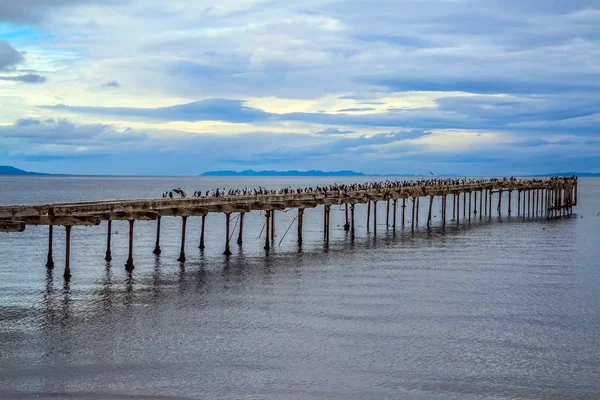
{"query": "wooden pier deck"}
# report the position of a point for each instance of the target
(548, 198)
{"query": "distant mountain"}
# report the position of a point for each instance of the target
(580, 174)
(8, 170)
(251, 172)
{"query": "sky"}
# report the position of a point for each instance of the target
(142, 87)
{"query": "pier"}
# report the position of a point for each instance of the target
(471, 199)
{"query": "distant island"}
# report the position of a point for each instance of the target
(8, 170)
(313, 172)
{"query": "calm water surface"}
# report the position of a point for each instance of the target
(500, 309)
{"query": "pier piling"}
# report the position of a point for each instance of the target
(129, 264)
(67, 272)
(50, 261)
(201, 246)
(227, 251)
(108, 255)
(241, 230)
(156, 250)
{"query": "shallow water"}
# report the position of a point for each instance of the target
(500, 308)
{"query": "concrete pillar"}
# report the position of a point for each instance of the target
(182, 249)
(50, 261)
(108, 255)
(157, 250)
(201, 247)
(241, 231)
(129, 264)
(227, 251)
(67, 273)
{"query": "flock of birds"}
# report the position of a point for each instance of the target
(420, 185)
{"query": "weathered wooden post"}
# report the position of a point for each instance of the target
(453, 206)
(272, 225)
(300, 220)
(395, 205)
(486, 201)
(414, 203)
(129, 263)
(368, 215)
(156, 250)
(50, 261)
(347, 224)
(182, 250)
(403, 209)
(499, 202)
(387, 214)
(352, 220)
(227, 251)
(240, 239)
(201, 247)
(444, 210)
(375, 217)
(108, 255)
(429, 213)
(267, 226)
(417, 211)
(67, 273)
(327, 216)
(470, 202)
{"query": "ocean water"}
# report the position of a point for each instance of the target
(498, 308)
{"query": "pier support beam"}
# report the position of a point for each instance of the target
(395, 205)
(327, 216)
(352, 230)
(480, 204)
(108, 255)
(375, 217)
(272, 225)
(444, 201)
(227, 251)
(417, 212)
(387, 214)
(464, 205)
(201, 246)
(300, 221)
(50, 261)
(470, 203)
(518, 202)
(414, 204)
(429, 214)
(368, 215)
(182, 249)
(267, 225)
(486, 201)
(129, 264)
(403, 209)
(457, 195)
(454, 206)
(67, 273)
(475, 202)
(500, 202)
(156, 250)
(241, 230)
(347, 224)
(509, 202)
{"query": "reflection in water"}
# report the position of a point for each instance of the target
(488, 310)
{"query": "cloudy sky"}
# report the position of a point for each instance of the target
(382, 86)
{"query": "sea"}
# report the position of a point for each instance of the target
(493, 308)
